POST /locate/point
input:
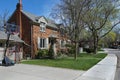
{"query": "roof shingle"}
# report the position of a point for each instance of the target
(15, 38)
(35, 18)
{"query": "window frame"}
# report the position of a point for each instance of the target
(1, 44)
(43, 43)
(62, 43)
(42, 26)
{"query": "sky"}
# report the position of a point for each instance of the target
(37, 7)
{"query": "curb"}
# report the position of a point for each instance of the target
(104, 70)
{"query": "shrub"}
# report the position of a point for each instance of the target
(99, 48)
(71, 49)
(88, 50)
(59, 53)
(42, 53)
(51, 52)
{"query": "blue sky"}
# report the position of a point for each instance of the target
(37, 7)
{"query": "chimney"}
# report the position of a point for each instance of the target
(19, 5)
(19, 16)
(20, 1)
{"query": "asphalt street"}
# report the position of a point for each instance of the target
(117, 52)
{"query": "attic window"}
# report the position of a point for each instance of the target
(42, 27)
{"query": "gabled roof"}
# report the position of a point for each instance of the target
(35, 18)
(30, 16)
(14, 38)
(3, 35)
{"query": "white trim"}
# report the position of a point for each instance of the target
(64, 42)
(47, 42)
(60, 43)
(42, 19)
(44, 45)
(42, 27)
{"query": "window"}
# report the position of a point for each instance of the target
(1, 45)
(42, 43)
(63, 43)
(50, 40)
(42, 26)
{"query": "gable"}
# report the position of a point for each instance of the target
(42, 19)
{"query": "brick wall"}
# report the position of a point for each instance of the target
(37, 33)
(26, 35)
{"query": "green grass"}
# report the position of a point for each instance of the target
(83, 62)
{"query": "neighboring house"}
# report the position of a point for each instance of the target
(15, 50)
(37, 31)
(115, 45)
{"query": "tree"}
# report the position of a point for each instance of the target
(101, 18)
(117, 31)
(3, 19)
(108, 39)
(69, 12)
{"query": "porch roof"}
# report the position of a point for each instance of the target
(14, 38)
(53, 36)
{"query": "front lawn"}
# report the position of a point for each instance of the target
(83, 62)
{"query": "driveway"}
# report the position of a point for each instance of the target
(32, 72)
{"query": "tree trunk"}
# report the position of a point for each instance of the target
(95, 39)
(95, 49)
(7, 43)
(76, 50)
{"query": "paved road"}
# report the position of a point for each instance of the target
(117, 52)
(31, 72)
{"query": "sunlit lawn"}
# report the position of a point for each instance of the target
(83, 62)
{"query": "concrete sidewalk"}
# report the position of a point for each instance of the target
(104, 70)
(31, 72)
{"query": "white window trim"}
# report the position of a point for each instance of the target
(41, 26)
(62, 45)
(45, 43)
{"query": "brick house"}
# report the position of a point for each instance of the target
(37, 31)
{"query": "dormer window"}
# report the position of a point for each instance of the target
(42, 21)
(42, 26)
